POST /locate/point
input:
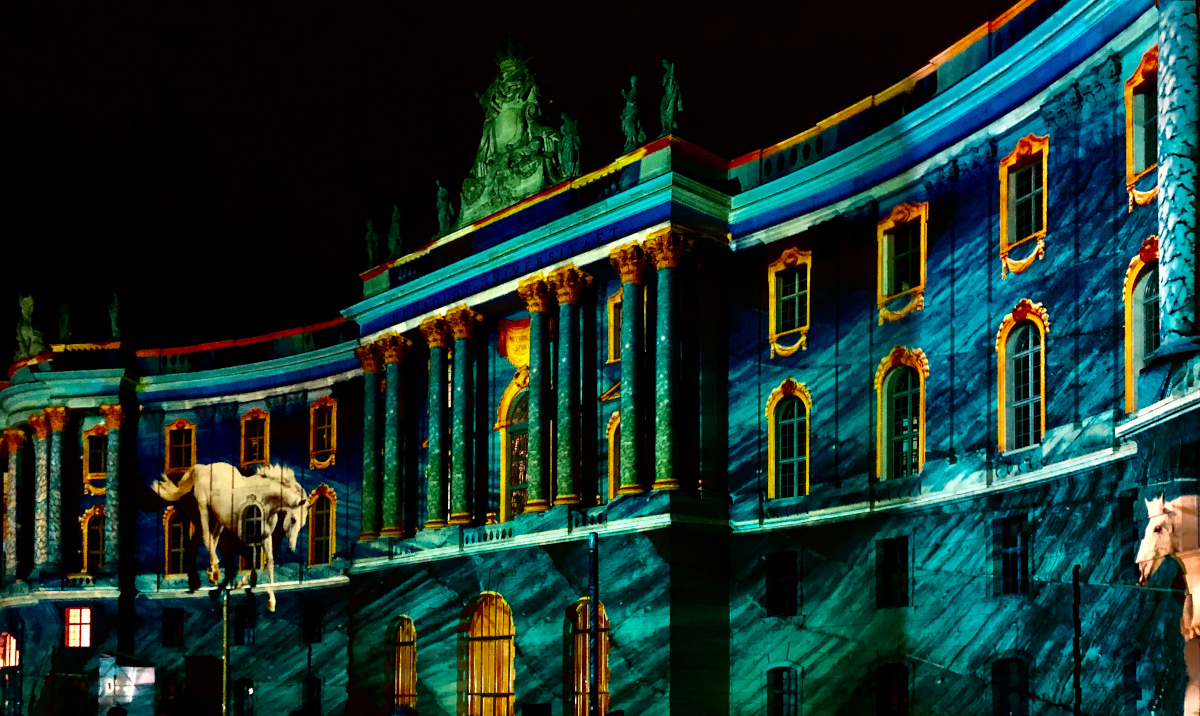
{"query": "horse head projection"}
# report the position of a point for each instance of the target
(223, 493)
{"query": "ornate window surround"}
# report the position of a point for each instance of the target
(901, 214)
(899, 356)
(790, 258)
(1026, 148)
(614, 466)
(168, 515)
(322, 490)
(1147, 66)
(1146, 256)
(519, 382)
(789, 388)
(1035, 313)
(177, 424)
(322, 402)
(614, 328)
(252, 414)
(84, 519)
(90, 478)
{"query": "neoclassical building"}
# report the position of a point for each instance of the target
(872, 420)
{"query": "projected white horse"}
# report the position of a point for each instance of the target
(224, 493)
(1172, 532)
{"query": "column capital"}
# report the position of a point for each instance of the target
(57, 417)
(436, 331)
(113, 414)
(535, 292)
(368, 355)
(629, 261)
(393, 347)
(37, 421)
(667, 247)
(463, 322)
(569, 284)
(13, 437)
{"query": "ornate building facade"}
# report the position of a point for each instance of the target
(874, 418)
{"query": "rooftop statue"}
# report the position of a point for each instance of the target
(29, 340)
(64, 323)
(393, 237)
(113, 307)
(672, 101)
(445, 210)
(635, 136)
(568, 150)
(372, 240)
(518, 156)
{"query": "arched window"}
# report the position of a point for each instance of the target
(9, 656)
(177, 532)
(1020, 346)
(252, 547)
(1010, 687)
(91, 524)
(613, 436)
(891, 690)
(512, 422)
(1140, 294)
(322, 535)
(580, 618)
(900, 430)
(490, 657)
(783, 691)
(404, 685)
(787, 414)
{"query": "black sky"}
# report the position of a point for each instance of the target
(216, 162)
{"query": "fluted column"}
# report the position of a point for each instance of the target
(666, 248)
(41, 491)
(537, 296)
(630, 263)
(56, 416)
(463, 322)
(569, 284)
(393, 347)
(12, 440)
(369, 356)
(437, 335)
(113, 415)
(1178, 130)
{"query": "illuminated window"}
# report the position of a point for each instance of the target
(787, 413)
(891, 690)
(490, 657)
(900, 242)
(243, 698)
(404, 683)
(322, 536)
(1023, 202)
(322, 437)
(788, 280)
(1021, 358)
(783, 692)
(9, 656)
(1141, 129)
(79, 626)
(614, 326)
(252, 538)
(1010, 687)
(1011, 555)
(91, 525)
(1140, 294)
(95, 459)
(177, 530)
(512, 422)
(181, 446)
(580, 619)
(613, 436)
(256, 438)
(900, 395)
(891, 572)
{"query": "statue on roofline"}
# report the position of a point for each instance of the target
(64, 322)
(635, 136)
(372, 240)
(672, 101)
(445, 210)
(29, 339)
(112, 318)
(568, 152)
(393, 238)
(518, 155)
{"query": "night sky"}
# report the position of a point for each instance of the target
(215, 163)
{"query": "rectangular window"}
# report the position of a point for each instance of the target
(781, 584)
(323, 430)
(1025, 197)
(891, 572)
(1145, 123)
(1012, 537)
(1010, 687)
(254, 438)
(792, 294)
(244, 618)
(903, 244)
(181, 445)
(79, 627)
(1131, 688)
(891, 690)
(312, 696)
(172, 628)
(97, 452)
(313, 619)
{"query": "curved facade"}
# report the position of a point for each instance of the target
(873, 418)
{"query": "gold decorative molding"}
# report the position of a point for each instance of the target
(612, 437)
(789, 259)
(178, 424)
(84, 519)
(315, 462)
(519, 382)
(614, 326)
(436, 332)
(900, 215)
(1147, 67)
(900, 356)
(569, 284)
(667, 247)
(393, 347)
(170, 514)
(1029, 149)
(789, 388)
(41, 430)
(90, 479)
(463, 322)
(368, 355)
(13, 437)
(1145, 257)
(612, 393)
(257, 414)
(56, 416)
(322, 490)
(112, 415)
(512, 341)
(1035, 313)
(630, 262)
(535, 292)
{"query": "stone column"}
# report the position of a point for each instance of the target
(113, 414)
(12, 440)
(56, 416)
(369, 356)
(630, 262)
(536, 294)
(393, 347)
(41, 492)
(1178, 127)
(437, 335)
(667, 248)
(569, 284)
(463, 322)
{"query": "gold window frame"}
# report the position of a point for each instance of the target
(89, 478)
(901, 214)
(1026, 152)
(579, 617)
(790, 258)
(404, 636)
(519, 382)
(1146, 255)
(254, 414)
(313, 461)
(84, 520)
(478, 627)
(614, 466)
(168, 515)
(1035, 313)
(900, 356)
(322, 490)
(1147, 66)
(614, 328)
(177, 424)
(789, 388)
